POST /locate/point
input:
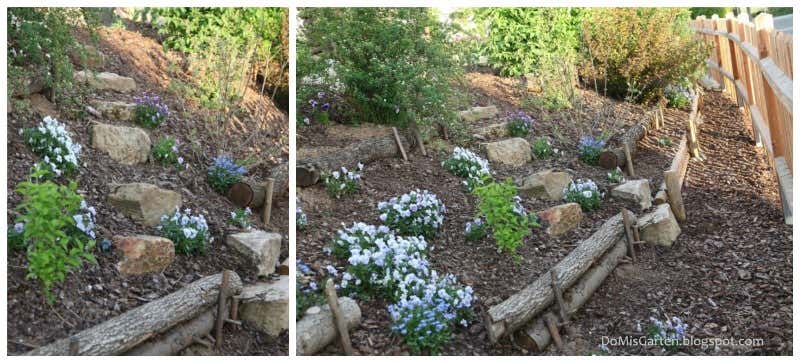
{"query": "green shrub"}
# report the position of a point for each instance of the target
(520, 38)
(16, 237)
(678, 95)
(165, 151)
(188, 232)
(634, 53)
(385, 65)
(499, 204)
(708, 11)
(590, 148)
(57, 230)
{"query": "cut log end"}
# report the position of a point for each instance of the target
(240, 194)
(612, 158)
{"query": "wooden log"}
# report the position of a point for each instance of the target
(336, 311)
(123, 332)
(536, 336)
(615, 157)
(247, 193)
(266, 213)
(316, 331)
(551, 322)
(281, 175)
(512, 314)
(308, 170)
(673, 183)
(179, 337)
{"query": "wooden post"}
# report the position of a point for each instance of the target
(267, 211)
(562, 308)
(628, 160)
(399, 144)
(338, 318)
(672, 181)
(235, 307)
(421, 144)
(552, 326)
(221, 316)
(629, 236)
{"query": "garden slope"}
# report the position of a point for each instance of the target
(95, 293)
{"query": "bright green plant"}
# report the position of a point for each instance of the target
(241, 218)
(55, 231)
(387, 65)
(165, 151)
(500, 206)
(634, 53)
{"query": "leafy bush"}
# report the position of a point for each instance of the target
(188, 232)
(499, 204)
(636, 52)
(387, 65)
(542, 148)
(518, 124)
(678, 95)
(58, 228)
(583, 192)
(519, 38)
(342, 182)
(165, 151)
(149, 111)
(241, 218)
(589, 149)
(52, 142)
(553, 82)
(475, 230)
(413, 214)
(223, 173)
(468, 165)
(616, 176)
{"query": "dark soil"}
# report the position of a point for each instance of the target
(95, 293)
(494, 276)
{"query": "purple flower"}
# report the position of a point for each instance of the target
(320, 95)
(325, 106)
(313, 103)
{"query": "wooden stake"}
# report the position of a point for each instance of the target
(267, 212)
(562, 308)
(221, 316)
(338, 318)
(399, 144)
(73, 345)
(629, 238)
(628, 160)
(234, 322)
(552, 326)
(421, 144)
(235, 308)
(672, 181)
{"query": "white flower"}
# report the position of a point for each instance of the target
(19, 227)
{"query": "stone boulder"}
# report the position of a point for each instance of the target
(144, 203)
(42, 106)
(142, 254)
(265, 306)
(115, 110)
(126, 145)
(637, 191)
(546, 184)
(106, 81)
(478, 113)
(87, 56)
(659, 226)
(262, 248)
(561, 218)
(515, 151)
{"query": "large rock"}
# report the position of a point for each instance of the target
(144, 203)
(42, 106)
(106, 81)
(87, 56)
(637, 191)
(265, 306)
(478, 113)
(126, 145)
(561, 218)
(261, 247)
(545, 184)
(515, 151)
(115, 110)
(142, 254)
(659, 226)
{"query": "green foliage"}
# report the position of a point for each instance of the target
(339, 183)
(468, 165)
(555, 80)
(634, 53)
(224, 172)
(241, 218)
(615, 176)
(542, 148)
(165, 151)
(189, 233)
(51, 140)
(679, 95)
(306, 298)
(664, 141)
(708, 11)
(583, 192)
(499, 204)
(16, 238)
(521, 38)
(383, 65)
(475, 230)
(55, 244)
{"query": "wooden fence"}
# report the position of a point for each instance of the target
(753, 63)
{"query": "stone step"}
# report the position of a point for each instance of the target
(636, 191)
(126, 145)
(106, 81)
(659, 226)
(478, 113)
(265, 306)
(143, 202)
(515, 151)
(262, 248)
(115, 110)
(546, 184)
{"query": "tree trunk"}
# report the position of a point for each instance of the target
(247, 193)
(309, 170)
(123, 332)
(535, 336)
(281, 175)
(615, 157)
(179, 337)
(316, 331)
(511, 314)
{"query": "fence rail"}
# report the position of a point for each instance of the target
(753, 63)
